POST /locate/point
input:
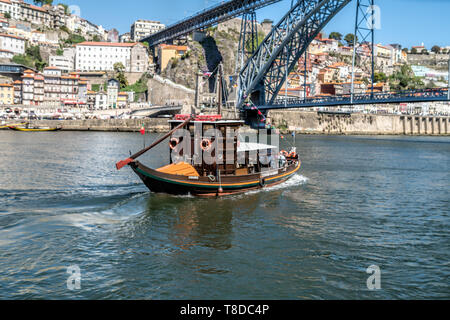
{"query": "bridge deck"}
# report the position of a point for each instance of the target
(427, 95)
(206, 18)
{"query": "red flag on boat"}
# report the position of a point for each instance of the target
(143, 130)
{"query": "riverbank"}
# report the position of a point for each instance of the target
(111, 125)
(359, 124)
(287, 121)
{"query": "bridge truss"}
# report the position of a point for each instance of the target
(265, 72)
(206, 18)
(409, 96)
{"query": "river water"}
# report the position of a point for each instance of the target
(357, 202)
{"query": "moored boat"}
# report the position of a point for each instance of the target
(4, 126)
(34, 129)
(239, 173)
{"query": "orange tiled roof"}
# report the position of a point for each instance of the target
(36, 8)
(106, 44)
(173, 47)
(11, 36)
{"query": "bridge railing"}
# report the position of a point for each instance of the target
(440, 94)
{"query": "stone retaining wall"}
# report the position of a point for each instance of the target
(366, 124)
(299, 121)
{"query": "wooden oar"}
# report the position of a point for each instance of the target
(123, 163)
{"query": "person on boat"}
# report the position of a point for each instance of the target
(282, 160)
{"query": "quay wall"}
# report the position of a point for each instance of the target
(300, 121)
(112, 125)
(359, 124)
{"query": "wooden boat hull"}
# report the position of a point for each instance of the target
(34, 129)
(159, 182)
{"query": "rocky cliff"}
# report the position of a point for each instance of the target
(219, 45)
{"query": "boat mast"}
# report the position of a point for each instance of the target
(219, 89)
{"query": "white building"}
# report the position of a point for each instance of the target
(6, 54)
(66, 62)
(113, 93)
(143, 28)
(37, 37)
(126, 37)
(5, 6)
(13, 7)
(101, 101)
(101, 56)
(12, 43)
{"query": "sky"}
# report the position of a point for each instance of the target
(407, 22)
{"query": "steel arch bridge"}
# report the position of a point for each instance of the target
(264, 73)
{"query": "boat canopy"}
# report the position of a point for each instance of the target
(247, 146)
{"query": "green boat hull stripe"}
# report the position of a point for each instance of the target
(187, 184)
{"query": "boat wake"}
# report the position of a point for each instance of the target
(295, 181)
(90, 219)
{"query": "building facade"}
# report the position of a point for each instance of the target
(52, 88)
(12, 43)
(6, 94)
(143, 28)
(36, 15)
(66, 62)
(166, 52)
(101, 56)
(113, 93)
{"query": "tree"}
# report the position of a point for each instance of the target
(34, 52)
(436, 49)
(350, 39)
(65, 29)
(380, 77)
(424, 51)
(42, 2)
(405, 79)
(119, 67)
(7, 15)
(119, 70)
(23, 60)
(405, 50)
(66, 8)
(414, 51)
(75, 39)
(336, 36)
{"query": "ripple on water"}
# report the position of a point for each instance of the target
(357, 202)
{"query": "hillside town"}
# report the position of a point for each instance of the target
(56, 61)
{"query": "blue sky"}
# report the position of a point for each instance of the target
(408, 22)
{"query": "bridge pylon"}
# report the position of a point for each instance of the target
(365, 24)
(248, 39)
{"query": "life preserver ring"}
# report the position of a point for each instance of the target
(205, 144)
(284, 153)
(293, 155)
(212, 178)
(173, 143)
